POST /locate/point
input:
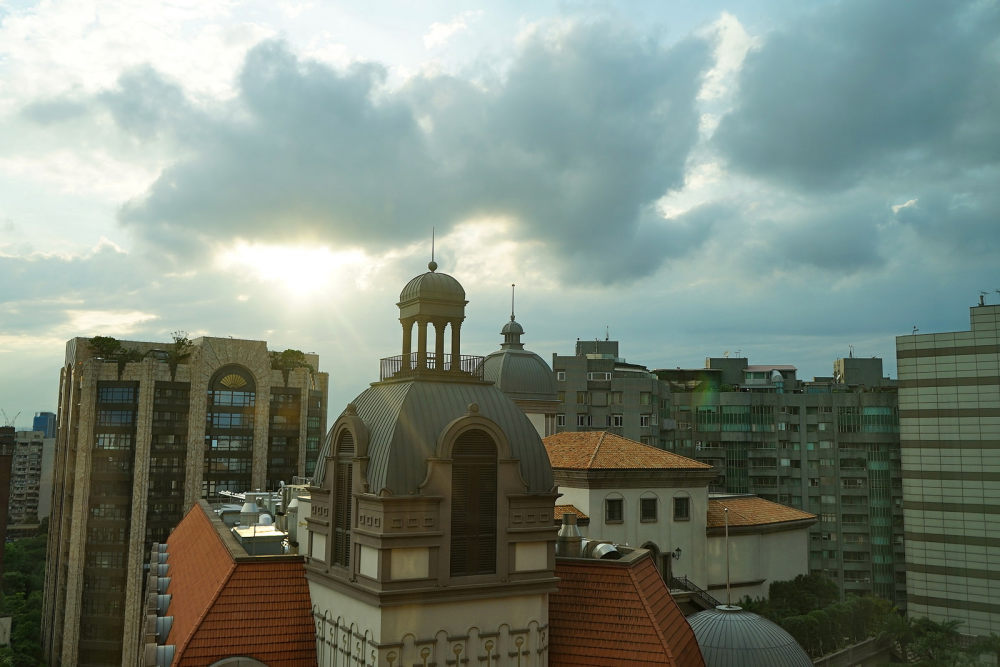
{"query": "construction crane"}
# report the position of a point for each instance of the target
(7, 420)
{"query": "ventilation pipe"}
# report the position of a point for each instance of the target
(569, 539)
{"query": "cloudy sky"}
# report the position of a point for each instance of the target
(775, 178)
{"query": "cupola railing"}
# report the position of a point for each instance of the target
(431, 364)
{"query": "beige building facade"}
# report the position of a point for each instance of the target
(138, 442)
(949, 413)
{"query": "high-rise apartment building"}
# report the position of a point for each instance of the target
(6, 461)
(30, 478)
(828, 447)
(138, 442)
(949, 413)
(599, 391)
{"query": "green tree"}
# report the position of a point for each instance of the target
(110, 348)
(179, 352)
(21, 598)
(288, 360)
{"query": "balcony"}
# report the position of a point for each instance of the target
(429, 365)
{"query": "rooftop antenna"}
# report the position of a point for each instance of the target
(512, 285)
(607, 332)
(852, 351)
(915, 329)
(982, 297)
(729, 593)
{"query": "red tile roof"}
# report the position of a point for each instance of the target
(617, 613)
(751, 511)
(225, 603)
(559, 510)
(600, 450)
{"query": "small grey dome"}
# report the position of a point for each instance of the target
(433, 285)
(512, 327)
(731, 637)
(521, 374)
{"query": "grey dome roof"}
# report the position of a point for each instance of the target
(512, 327)
(521, 374)
(731, 637)
(405, 420)
(433, 285)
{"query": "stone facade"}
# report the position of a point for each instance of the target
(131, 451)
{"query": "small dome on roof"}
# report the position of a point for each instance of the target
(433, 285)
(731, 637)
(512, 327)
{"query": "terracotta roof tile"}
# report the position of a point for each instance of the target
(600, 450)
(612, 613)
(559, 510)
(257, 607)
(751, 511)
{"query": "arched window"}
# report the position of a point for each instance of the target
(343, 498)
(474, 504)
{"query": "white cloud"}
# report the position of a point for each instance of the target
(440, 33)
(908, 204)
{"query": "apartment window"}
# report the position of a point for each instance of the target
(617, 398)
(583, 420)
(581, 398)
(647, 509)
(644, 420)
(616, 420)
(560, 420)
(652, 419)
(599, 375)
(644, 398)
(115, 417)
(116, 395)
(682, 508)
(613, 510)
(561, 396)
(561, 376)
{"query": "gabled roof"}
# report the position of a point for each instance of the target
(226, 603)
(617, 613)
(752, 511)
(600, 450)
(559, 510)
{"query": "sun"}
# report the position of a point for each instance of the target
(297, 270)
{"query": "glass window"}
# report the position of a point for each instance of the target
(583, 420)
(613, 510)
(560, 420)
(561, 375)
(647, 509)
(617, 420)
(644, 398)
(643, 420)
(682, 508)
(581, 398)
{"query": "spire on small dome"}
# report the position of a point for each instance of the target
(432, 265)
(512, 331)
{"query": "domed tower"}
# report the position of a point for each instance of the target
(524, 377)
(430, 532)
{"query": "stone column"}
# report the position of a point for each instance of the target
(407, 343)
(456, 348)
(439, 326)
(421, 343)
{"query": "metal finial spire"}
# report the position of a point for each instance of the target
(432, 265)
(512, 302)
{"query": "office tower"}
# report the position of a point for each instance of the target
(46, 423)
(144, 431)
(828, 447)
(949, 414)
(599, 391)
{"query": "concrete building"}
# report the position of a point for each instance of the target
(829, 448)
(7, 441)
(598, 390)
(140, 441)
(630, 493)
(949, 413)
(30, 479)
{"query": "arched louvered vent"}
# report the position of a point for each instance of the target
(345, 444)
(343, 499)
(474, 504)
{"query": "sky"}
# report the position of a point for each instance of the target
(779, 180)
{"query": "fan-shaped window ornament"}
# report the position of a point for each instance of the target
(233, 381)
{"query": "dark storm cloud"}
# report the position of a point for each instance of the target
(858, 89)
(587, 130)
